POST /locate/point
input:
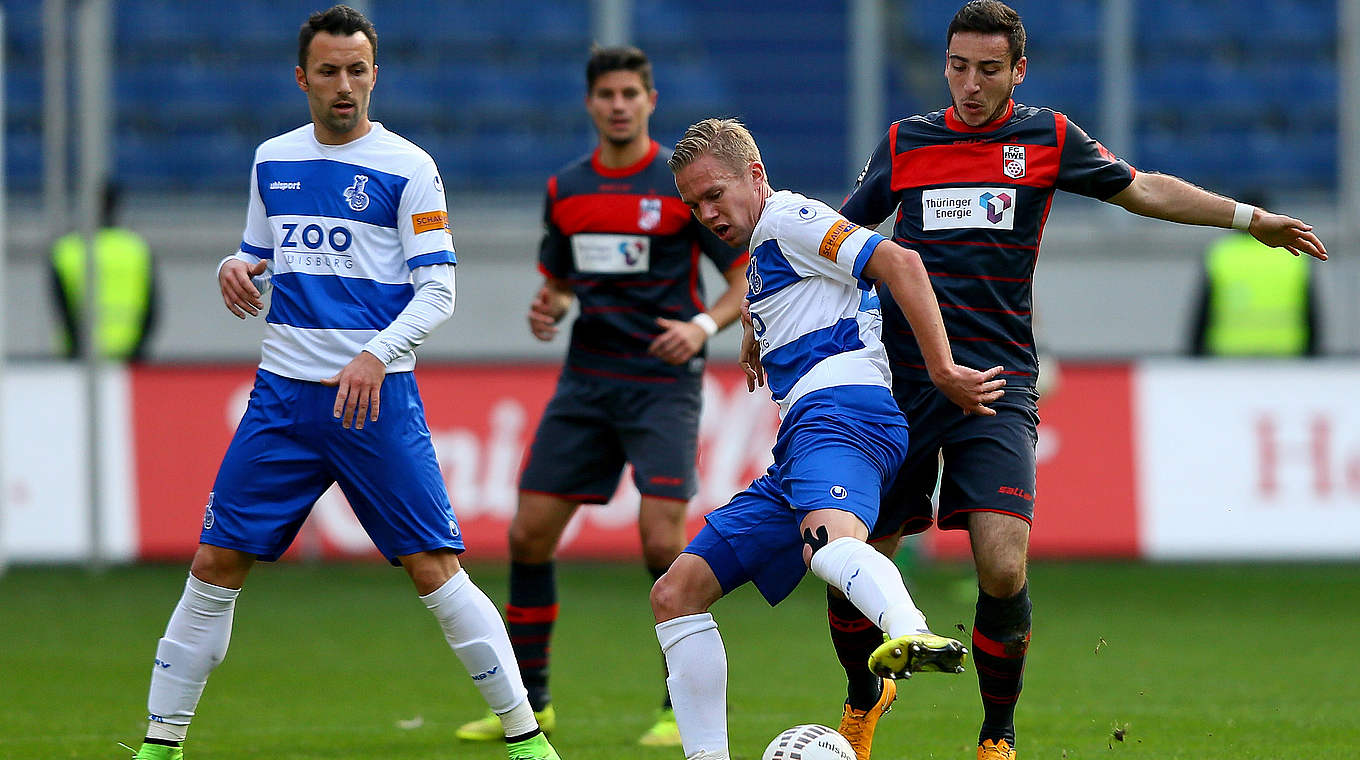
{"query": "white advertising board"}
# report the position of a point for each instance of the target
(1248, 460)
(43, 441)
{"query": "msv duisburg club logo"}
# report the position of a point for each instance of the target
(355, 195)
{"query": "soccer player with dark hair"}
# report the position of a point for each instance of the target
(972, 185)
(347, 224)
(619, 241)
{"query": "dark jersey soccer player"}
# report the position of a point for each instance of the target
(620, 242)
(341, 329)
(972, 186)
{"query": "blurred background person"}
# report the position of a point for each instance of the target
(1254, 305)
(618, 238)
(127, 287)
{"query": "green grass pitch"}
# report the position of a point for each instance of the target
(342, 661)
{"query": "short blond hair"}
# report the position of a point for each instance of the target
(727, 140)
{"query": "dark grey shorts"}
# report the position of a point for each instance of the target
(989, 462)
(591, 427)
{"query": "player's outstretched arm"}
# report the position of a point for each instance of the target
(1162, 196)
(239, 293)
(904, 274)
(550, 304)
(679, 340)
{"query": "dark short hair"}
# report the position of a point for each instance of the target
(990, 17)
(340, 19)
(623, 58)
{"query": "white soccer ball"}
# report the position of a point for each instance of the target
(809, 742)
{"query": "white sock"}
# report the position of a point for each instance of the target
(872, 583)
(195, 641)
(473, 627)
(697, 664)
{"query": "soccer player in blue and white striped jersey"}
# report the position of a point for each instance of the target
(347, 222)
(841, 434)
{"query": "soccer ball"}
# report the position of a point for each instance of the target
(809, 742)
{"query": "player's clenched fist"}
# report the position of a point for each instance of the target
(238, 290)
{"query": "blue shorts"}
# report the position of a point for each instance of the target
(835, 450)
(989, 462)
(289, 449)
(593, 426)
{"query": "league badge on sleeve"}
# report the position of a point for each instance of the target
(1013, 161)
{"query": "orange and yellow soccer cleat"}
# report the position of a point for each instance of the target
(858, 725)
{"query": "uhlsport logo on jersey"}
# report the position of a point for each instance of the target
(355, 195)
(839, 492)
(1013, 161)
(753, 278)
(649, 213)
(208, 518)
(957, 208)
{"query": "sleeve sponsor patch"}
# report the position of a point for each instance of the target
(429, 220)
(831, 241)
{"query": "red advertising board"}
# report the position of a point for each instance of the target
(482, 418)
(1086, 504)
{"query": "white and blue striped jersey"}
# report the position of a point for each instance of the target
(806, 288)
(342, 226)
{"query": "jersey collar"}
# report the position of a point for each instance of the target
(957, 125)
(623, 171)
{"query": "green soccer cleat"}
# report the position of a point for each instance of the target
(535, 747)
(917, 653)
(488, 728)
(664, 732)
(157, 752)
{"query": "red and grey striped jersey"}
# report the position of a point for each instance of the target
(629, 248)
(973, 202)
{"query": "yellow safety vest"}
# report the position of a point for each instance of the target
(124, 263)
(1258, 302)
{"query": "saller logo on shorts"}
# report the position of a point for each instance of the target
(831, 241)
(429, 220)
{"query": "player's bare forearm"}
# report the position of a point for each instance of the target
(681, 341)
(904, 274)
(727, 308)
(1162, 196)
(750, 351)
(550, 304)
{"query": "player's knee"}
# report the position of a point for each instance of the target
(661, 551)
(1002, 580)
(673, 596)
(814, 541)
(530, 546)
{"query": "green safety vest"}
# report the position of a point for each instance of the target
(1258, 299)
(124, 263)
